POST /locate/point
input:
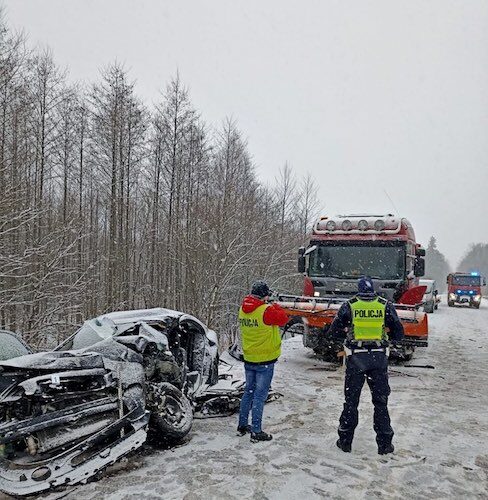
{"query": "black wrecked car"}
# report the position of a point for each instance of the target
(67, 414)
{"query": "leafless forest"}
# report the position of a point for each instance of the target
(109, 204)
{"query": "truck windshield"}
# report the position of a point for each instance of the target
(353, 261)
(466, 280)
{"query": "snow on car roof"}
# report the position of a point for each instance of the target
(120, 317)
(124, 318)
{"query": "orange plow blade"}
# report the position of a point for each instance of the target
(321, 314)
(415, 326)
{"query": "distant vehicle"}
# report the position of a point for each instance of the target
(431, 299)
(465, 288)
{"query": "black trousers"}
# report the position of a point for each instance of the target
(372, 367)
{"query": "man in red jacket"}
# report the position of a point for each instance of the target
(261, 344)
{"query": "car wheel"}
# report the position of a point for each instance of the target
(171, 412)
(429, 308)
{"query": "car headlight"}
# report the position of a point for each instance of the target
(452, 295)
(477, 298)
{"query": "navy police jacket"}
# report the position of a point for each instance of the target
(343, 320)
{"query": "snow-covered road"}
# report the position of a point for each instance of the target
(440, 417)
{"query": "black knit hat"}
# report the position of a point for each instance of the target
(260, 289)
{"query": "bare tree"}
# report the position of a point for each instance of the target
(109, 205)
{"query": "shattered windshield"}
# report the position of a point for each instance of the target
(355, 260)
(91, 332)
(466, 280)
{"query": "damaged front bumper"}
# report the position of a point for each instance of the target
(66, 416)
(76, 464)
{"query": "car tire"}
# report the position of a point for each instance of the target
(449, 303)
(171, 413)
(429, 308)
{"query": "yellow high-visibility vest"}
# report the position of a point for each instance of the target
(368, 318)
(260, 342)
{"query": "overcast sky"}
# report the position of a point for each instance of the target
(370, 97)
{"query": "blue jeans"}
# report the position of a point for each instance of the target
(258, 382)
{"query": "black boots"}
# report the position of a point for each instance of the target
(384, 449)
(344, 446)
(255, 436)
(243, 429)
(260, 436)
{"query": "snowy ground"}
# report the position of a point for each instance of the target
(440, 417)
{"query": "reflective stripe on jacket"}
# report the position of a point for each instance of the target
(260, 342)
(368, 318)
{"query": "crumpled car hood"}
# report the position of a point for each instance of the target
(89, 357)
(55, 361)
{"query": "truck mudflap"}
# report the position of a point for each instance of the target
(318, 313)
(79, 463)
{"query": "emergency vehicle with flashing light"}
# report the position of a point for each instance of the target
(465, 289)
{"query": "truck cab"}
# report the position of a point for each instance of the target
(465, 289)
(345, 247)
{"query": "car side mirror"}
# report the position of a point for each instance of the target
(419, 267)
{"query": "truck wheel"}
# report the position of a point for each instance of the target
(325, 354)
(171, 413)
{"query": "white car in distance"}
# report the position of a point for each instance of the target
(430, 298)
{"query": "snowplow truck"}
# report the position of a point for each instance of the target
(465, 289)
(341, 250)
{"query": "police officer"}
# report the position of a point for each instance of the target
(261, 345)
(364, 317)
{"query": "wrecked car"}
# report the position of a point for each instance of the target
(67, 414)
